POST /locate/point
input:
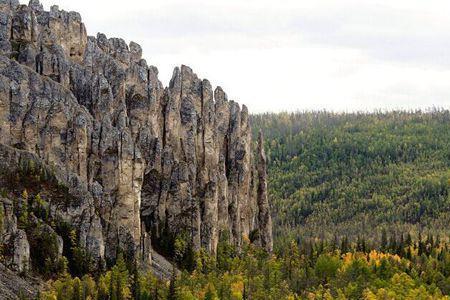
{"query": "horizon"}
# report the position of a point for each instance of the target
(425, 110)
(346, 57)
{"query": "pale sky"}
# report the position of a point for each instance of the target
(286, 55)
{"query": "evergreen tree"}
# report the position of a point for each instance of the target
(344, 245)
(172, 286)
(384, 241)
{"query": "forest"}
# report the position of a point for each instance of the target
(352, 175)
(399, 269)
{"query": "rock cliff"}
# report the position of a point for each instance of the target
(141, 163)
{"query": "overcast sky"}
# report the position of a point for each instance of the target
(284, 55)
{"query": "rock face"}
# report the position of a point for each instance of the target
(145, 162)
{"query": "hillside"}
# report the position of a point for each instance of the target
(355, 174)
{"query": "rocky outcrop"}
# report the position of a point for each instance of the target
(21, 251)
(142, 162)
(14, 240)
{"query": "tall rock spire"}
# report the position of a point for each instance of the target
(264, 218)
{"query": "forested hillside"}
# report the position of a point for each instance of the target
(336, 175)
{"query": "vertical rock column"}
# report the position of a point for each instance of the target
(243, 158)
(208, 175)
(222, 120)
(264, 219)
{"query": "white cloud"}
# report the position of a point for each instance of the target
(287, 55)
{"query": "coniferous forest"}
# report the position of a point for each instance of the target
(335, 176)
(360, 208)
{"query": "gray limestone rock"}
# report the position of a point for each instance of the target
(21, 250)
(140, 161)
